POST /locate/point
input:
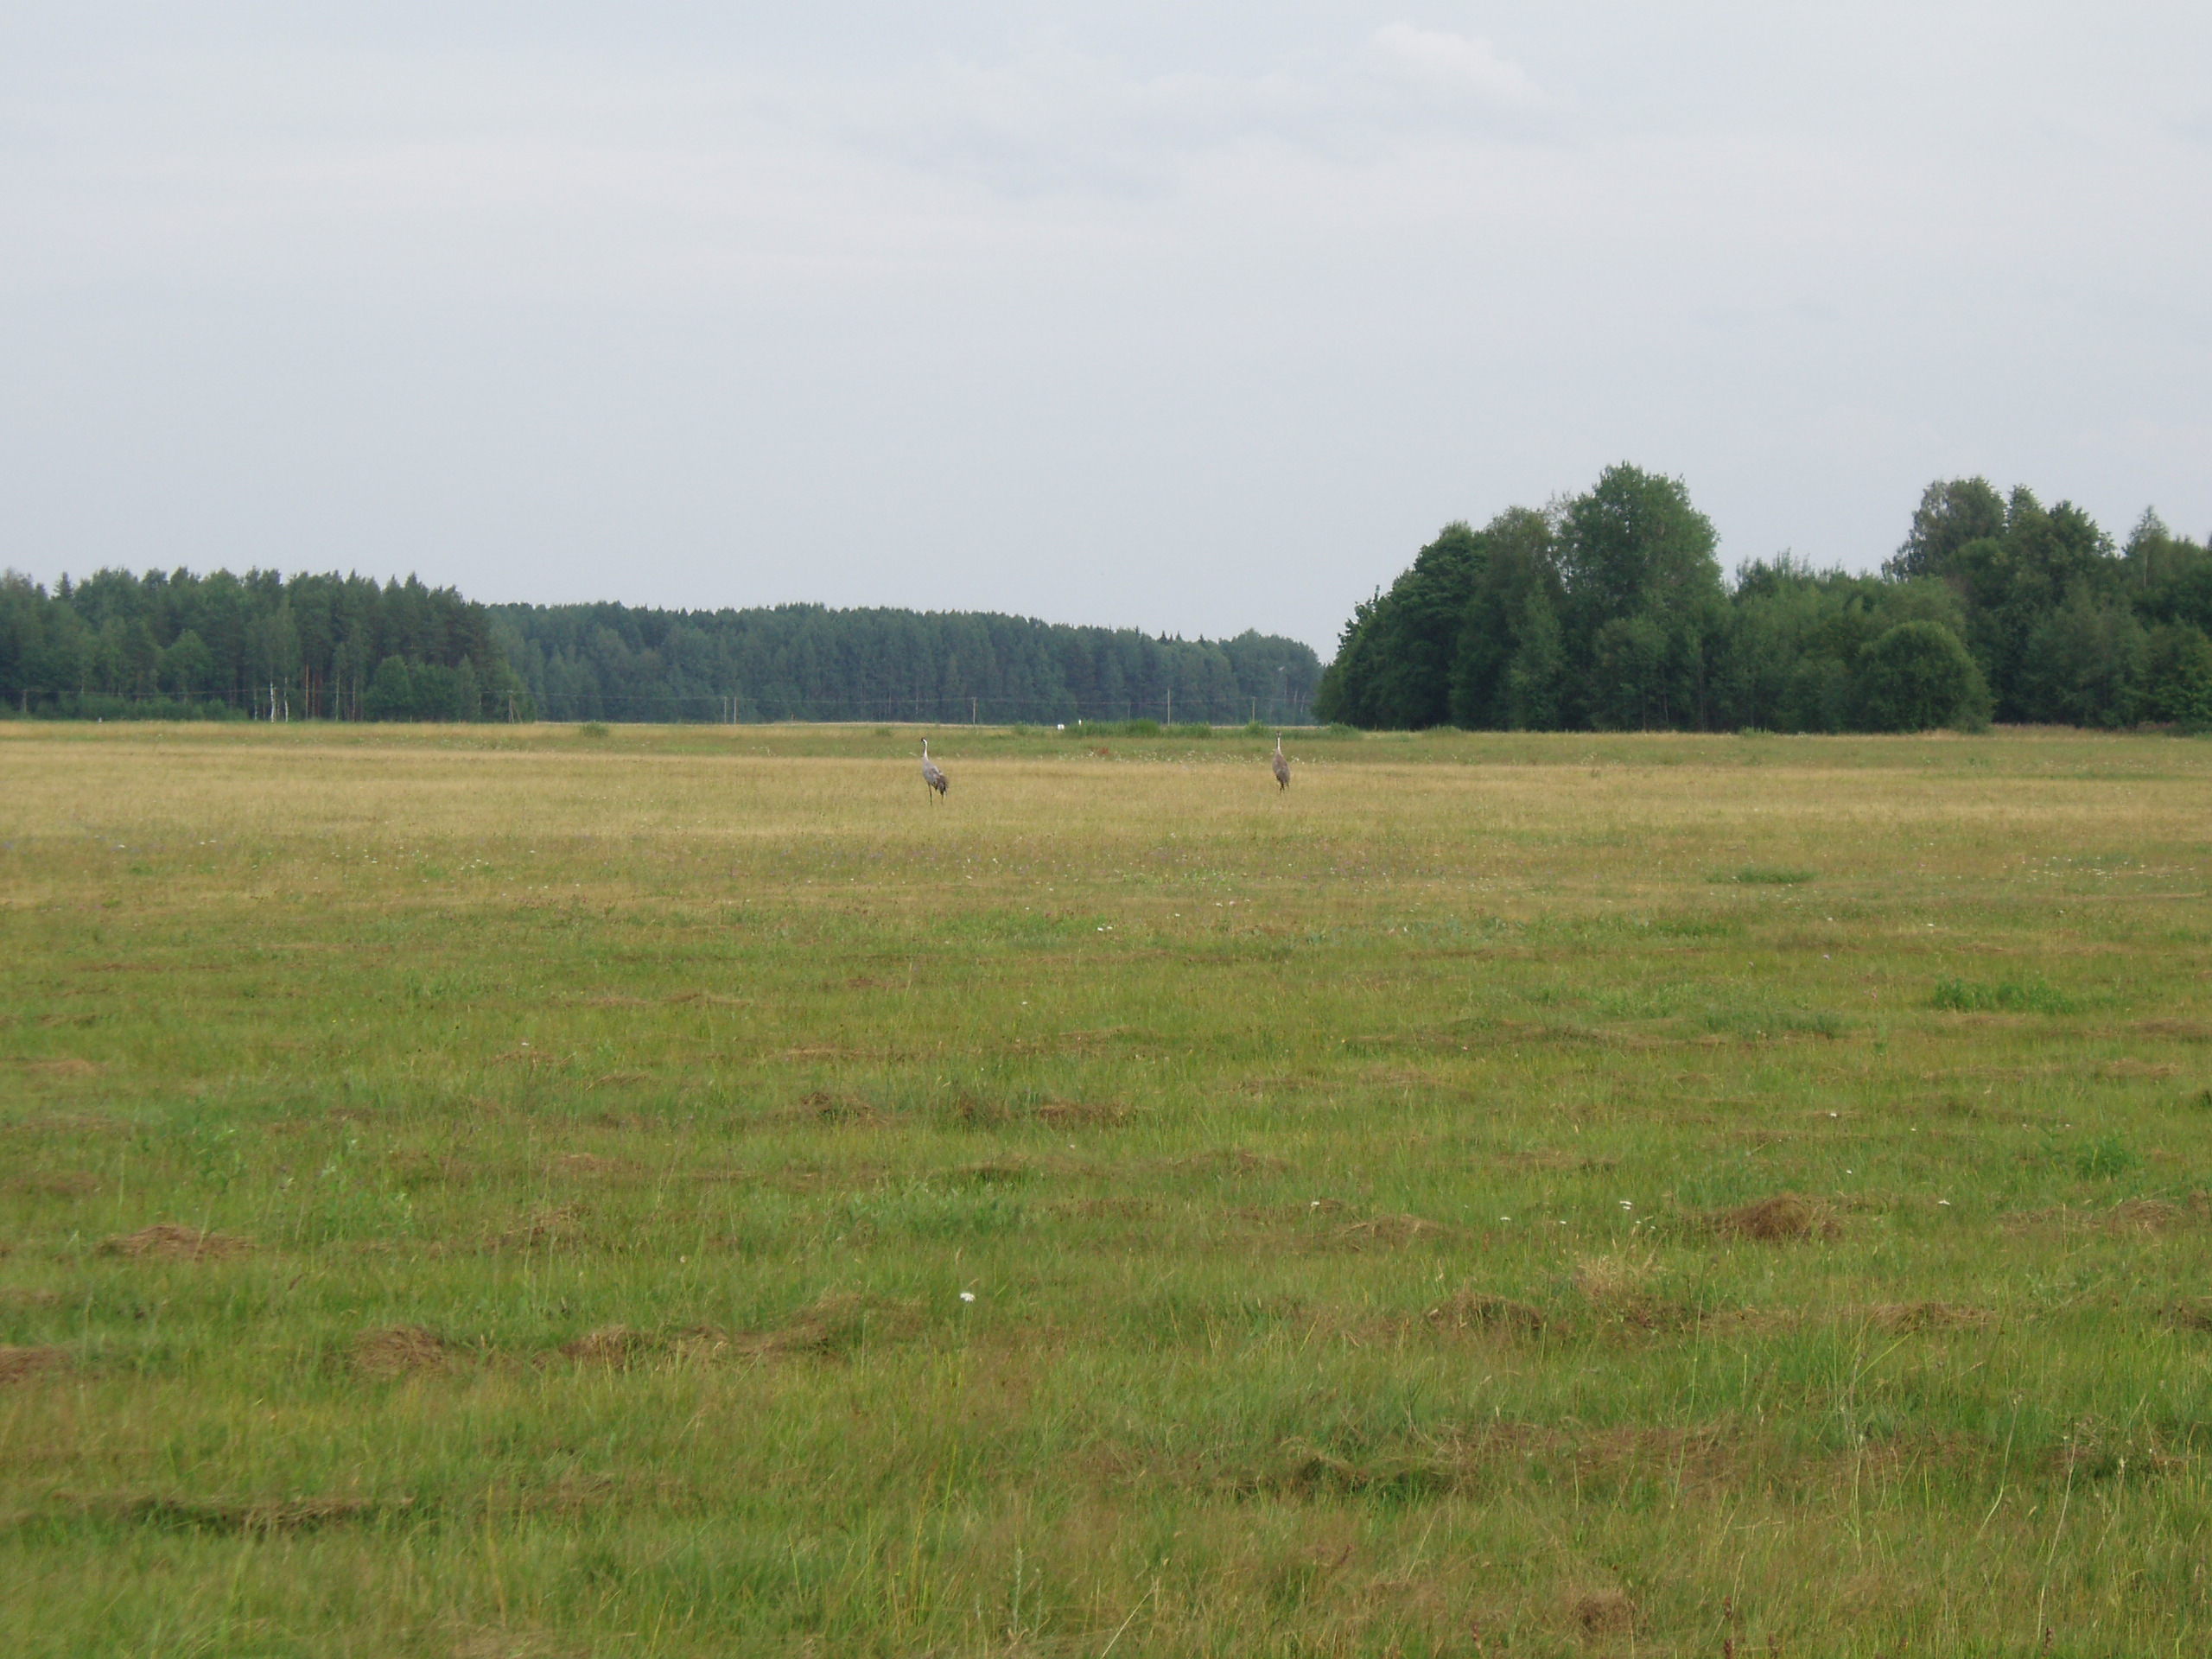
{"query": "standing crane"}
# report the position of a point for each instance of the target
(1281, 767)
(930, 774)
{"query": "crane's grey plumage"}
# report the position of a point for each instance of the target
(1281, 767)
(937, 781)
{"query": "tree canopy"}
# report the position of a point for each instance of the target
(173, 644)
(1608, 611)
(804, 662)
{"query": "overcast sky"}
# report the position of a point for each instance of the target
(1194, 316)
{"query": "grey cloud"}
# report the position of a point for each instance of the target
(1192, 316)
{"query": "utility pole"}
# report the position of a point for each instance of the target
(971, 711)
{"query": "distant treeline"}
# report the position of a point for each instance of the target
(175, 645)
(803, 662)
(1609, 612)
(178, 646)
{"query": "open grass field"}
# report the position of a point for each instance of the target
(480, 1192)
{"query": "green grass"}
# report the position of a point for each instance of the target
(1422, 1212)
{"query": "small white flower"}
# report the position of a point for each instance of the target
(1626, 1205)
(967, 1295)
(1946, 1203)
(1505, 1217)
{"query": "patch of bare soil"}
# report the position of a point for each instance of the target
(18, 1364)
(1778, 1220)
(171, 1242)
(399, 1351)
(1470, 1311)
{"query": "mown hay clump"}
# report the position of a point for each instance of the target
(832, 1325)
(611, 1345)
(1927, 1316)
(1603, 1613)
(171, 1242)
(562, 1224)
(398, 1352)
(1778, 1220)
(1469, 1311)
(18, 1364)
(1388, 1232)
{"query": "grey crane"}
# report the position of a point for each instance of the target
(1281, 767)
(935, 779)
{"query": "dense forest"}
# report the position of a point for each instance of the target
(176, 646)
(803, 661)
(1608, 611)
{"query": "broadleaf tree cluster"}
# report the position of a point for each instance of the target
(1608, 611)
(804, 662)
